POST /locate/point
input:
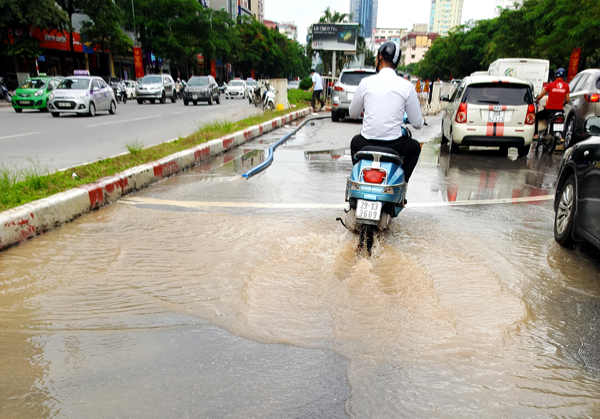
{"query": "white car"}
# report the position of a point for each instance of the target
(236, 88)
(82, 95)
(130, 87)
(492, 112)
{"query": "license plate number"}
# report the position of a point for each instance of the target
(496, 117)
(25, 103)
(64, 105)
(368, 210)
(349, 96)
(559, 127)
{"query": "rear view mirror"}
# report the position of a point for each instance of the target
(592, 126)
(445, 98)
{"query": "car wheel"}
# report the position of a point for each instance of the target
(174, 98)
(185, 102)
(140, 101)
(17, 110)
(113, 108)
(226, 97)
(92, 111)
(454, 147)
(218, 99)
(570, 133)
(55, 114)
(565, 213)
(335, 117)
(163, 97)
(195, 102)
(524, 151)
(210, 101)
(444, 138)
(504, 151)
(152, 101)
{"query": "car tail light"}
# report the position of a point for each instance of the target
(374, 176)
(530, 118)
(338, 88)
(592, 98)
(461, 115)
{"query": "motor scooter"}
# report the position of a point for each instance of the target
(375, 191)
(548, 137)
(4, 93)
(268, 98)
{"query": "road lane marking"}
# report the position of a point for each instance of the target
(20, 135)
(266, 205)
(177, 113)
(121, 122)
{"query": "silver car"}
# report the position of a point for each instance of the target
(584, 103)
(344, 88)
(82, 95)
(155, 87)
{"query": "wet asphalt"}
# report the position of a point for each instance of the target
(210, 295)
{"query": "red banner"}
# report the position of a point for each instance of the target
(213, 68)
(574, 64)
(138, 62)
(253, 74)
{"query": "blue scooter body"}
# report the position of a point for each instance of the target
(391, 192)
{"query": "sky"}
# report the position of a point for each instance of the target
(391, 13)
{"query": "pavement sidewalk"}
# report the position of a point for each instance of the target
(21, 223)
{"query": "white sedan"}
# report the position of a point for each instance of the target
(236, 88)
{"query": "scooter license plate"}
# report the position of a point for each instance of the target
(559, 127)
(368, 210)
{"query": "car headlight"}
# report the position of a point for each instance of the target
(39, 93)
(51, 96)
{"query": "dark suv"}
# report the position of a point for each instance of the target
(201, 89)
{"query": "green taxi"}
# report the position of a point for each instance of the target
(33, 93)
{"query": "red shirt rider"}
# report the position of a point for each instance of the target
(557, 93)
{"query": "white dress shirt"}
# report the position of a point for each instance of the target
(385, 97)
(316, 78)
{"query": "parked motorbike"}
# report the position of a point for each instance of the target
(268, 98)
(4, 93)
(552, 134)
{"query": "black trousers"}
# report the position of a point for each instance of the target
(407, 147)
(544, 114)
(316, 95)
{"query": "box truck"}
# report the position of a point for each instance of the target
(534, 71)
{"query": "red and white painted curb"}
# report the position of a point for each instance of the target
(21, 223)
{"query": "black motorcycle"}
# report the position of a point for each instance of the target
(4, 93)
(549, 137)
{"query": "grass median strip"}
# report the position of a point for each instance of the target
(20, 186)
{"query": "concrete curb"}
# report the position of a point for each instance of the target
(21, 223)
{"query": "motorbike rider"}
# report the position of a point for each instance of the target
(558, 94)
(385, 97)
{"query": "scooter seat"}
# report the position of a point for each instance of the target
(365, 156)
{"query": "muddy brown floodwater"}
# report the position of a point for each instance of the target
(209, 295)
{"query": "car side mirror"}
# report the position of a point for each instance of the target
(445, 98)
(592, 126)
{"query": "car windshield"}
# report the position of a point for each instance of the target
(498, 94)
(236, 83)
(74, 84)
(151, 80)
(198, 81)
(353, 79)
(33, 84)
(251, 83)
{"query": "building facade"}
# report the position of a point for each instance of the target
(445, 15)
(289, 29)
(415, 45)
(364, 12)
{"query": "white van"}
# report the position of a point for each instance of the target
(534, 71)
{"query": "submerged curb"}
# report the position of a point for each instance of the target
(21, 223)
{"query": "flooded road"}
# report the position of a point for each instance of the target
(209, 295)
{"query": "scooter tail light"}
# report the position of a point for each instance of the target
(461, 115)
(559, 120)
(374, 176)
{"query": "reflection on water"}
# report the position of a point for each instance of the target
(461, 312)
